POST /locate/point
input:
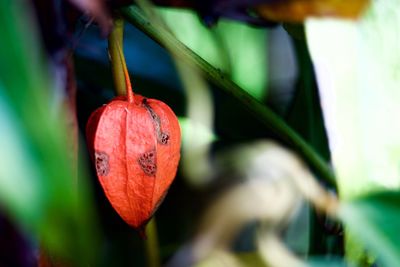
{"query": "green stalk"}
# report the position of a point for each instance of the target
(157, 31)
(151, 244)
(115, 42)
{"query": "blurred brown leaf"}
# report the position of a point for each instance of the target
(298, 10)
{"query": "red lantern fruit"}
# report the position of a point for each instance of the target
(135, 144)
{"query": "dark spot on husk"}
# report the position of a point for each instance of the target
(101, 162)
(148, 162)
(162, 137)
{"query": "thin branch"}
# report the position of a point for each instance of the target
(115, 41)
(151, 244)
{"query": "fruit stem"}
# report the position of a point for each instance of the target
(115, 38)
(122, 82)
(128, 84)
(151, 244)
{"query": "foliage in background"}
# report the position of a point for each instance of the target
(356, 63)
(237, 49)
(358, 76)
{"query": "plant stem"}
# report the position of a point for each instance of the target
(135, 16)
(151, 244)
(122, 81)
(128, 84)
(115, 42)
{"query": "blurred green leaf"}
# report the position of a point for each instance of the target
(330, 262)
(37, 174)
(247, 50)
(225, 258)
(305, 116)
(359, 79)
(375, 220)
(194, 35)
(189, 127)
(253, 259)
(235, 48)
(17, 192)
(250, 259)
